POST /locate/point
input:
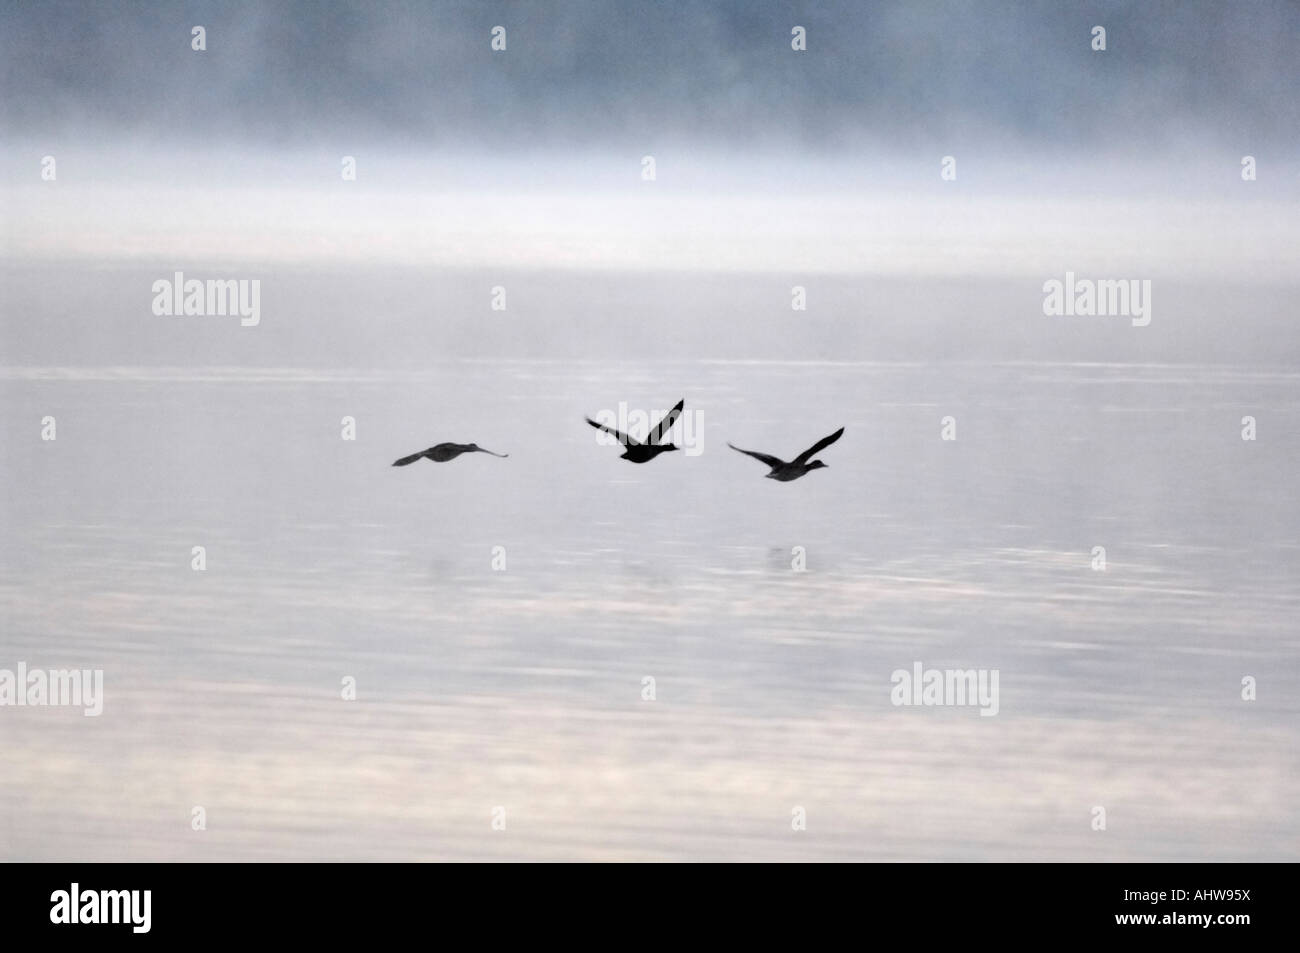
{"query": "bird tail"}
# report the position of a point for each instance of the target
(406, 461)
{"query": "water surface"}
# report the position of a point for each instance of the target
(522, 688)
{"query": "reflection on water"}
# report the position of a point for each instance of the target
(522, 688)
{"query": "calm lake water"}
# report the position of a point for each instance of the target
(521, 688)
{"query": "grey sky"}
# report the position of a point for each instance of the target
(582, 75)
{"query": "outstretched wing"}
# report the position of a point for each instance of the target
(819, 446)
(622, 437)
(767, 458)
(407, 461)
(661, 429)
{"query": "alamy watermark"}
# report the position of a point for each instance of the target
(1086, 297)
(80, 688)
(687, 432)
(950, 687)
(75, 905)
(178, 297)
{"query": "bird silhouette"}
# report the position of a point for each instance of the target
(785, 472)
(638, 452)
(444, 452)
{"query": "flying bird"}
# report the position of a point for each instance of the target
(639, 452)
(785, 472)
(444, 452)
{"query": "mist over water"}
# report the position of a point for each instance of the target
(522, 687)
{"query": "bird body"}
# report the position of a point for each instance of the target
(644, 452)
(637, 452)
(785, 472)
(444, 452)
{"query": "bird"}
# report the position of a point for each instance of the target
(638, 452)
(785, 472)
(444, 452)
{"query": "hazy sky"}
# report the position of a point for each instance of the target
(827, 160)
(719, 74)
